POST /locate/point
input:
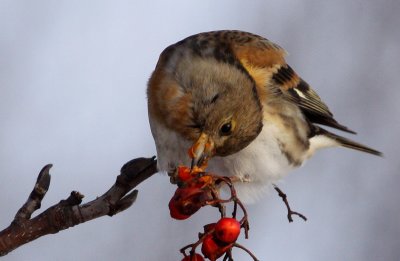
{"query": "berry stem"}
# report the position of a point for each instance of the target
(228, 256)
(234, 209)
(196, 244)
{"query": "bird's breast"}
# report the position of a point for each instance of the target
(259, 165)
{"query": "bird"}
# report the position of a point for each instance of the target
(231, 97)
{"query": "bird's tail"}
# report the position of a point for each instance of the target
(347, 142)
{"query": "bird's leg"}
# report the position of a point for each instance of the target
(290, 212)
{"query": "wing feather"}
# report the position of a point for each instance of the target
(265, 62)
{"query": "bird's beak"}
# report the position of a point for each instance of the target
(202, 150)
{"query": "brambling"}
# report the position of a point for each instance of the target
(232, 98)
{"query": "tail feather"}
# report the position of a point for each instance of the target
(327, 121)
(347, 142)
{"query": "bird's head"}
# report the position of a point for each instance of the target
(224, 112)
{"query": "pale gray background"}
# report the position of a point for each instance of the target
(72, 92)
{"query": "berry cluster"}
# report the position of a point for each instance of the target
(196, 189)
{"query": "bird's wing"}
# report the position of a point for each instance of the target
(265, 62)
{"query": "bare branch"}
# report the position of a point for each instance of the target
(69, 212)
(290, 211)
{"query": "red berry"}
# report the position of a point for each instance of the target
(227, 230)
(175, 212)
(211, 249)
(196, 257)
(187, 201)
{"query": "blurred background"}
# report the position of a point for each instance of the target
(72, 92)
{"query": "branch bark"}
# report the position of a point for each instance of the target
(69, 212)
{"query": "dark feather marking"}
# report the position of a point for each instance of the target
(327, 121)
(346, 142)
(303, 86)
(215, 98)
(290, 124)
(283, 75)
(207, 102)
(287, 154)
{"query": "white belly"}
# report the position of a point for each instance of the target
(262, 163)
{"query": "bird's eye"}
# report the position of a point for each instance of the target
(226, 129)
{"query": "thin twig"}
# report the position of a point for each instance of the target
(290, 211)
